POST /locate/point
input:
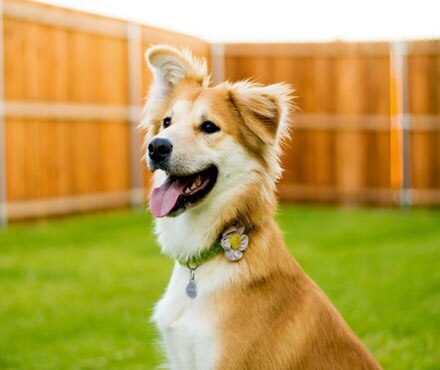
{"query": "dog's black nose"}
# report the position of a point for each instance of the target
(159, 149)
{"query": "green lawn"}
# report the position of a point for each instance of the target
(77, 293)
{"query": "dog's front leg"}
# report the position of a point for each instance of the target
(179, 349)
(187, 326)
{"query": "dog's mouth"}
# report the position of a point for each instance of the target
(179, 193)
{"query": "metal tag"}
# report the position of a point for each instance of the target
(191, 289)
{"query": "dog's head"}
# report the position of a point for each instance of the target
(207, 145)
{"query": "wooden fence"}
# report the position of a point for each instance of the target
(368, 126)
(72, 91)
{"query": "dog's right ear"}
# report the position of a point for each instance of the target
(170, 67)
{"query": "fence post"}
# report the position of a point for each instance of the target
(400, 123)
(134, 49)
(3, 208)
(218, 62)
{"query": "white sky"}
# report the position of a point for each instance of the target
(278, 20)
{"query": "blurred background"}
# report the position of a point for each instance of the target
(79, 268)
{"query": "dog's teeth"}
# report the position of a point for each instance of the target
(193, 186)
(198, 181)
(187, 190)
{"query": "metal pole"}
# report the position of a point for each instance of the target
(406, 197)
(400, 123)
(3, 209)
(134, 39)
(218, 62)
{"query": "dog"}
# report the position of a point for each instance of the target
(236, 298)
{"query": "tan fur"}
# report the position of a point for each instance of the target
(273, 316)
(276, 317)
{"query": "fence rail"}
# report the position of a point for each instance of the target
(71, 93)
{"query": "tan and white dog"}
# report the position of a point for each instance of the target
(236, 298)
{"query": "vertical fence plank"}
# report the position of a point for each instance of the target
(15, 173)
(3, 209)
(114, 135)
(83, 87)
(134, 34)
(62, 174)
(218, 63)
(420, 105)
(309, 162)
(350, 156)
(322, 95)
(436, 138)
(400, 136)
(292, 158)
(378, 171)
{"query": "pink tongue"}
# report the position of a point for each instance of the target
(164, 198)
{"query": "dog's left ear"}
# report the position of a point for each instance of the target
(263, 110)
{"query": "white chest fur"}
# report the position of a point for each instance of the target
(189, 326)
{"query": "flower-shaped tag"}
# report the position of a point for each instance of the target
(234, 242)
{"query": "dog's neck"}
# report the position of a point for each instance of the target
(197, 229)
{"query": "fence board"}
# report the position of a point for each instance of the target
(424, 100)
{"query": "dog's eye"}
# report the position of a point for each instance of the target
(166, 122)
(209, 127)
